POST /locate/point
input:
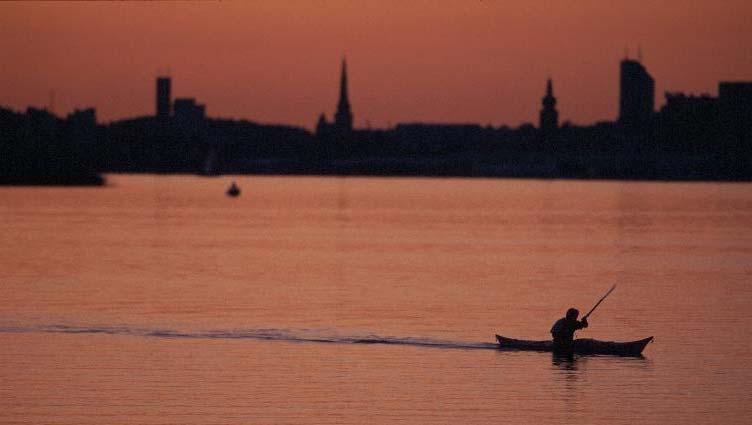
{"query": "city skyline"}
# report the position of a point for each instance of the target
(480, 66)
(631, 71)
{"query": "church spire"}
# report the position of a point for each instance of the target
(549, 116)
(343, 117)
(343, 98)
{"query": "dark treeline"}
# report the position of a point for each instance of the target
(689, 138)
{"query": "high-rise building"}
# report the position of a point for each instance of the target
(549, 116)
(163, 98)
(637, 96)
(343, 119)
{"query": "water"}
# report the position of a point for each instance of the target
(159, 300)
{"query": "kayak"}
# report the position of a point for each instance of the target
(580, 346)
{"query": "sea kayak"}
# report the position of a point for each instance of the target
(580, 346)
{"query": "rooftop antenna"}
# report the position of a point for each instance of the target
(626, 53)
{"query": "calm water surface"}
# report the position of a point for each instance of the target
(159, 300)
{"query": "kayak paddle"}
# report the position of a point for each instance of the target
(598, 303)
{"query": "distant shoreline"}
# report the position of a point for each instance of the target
(407, 173)
(533, 167)
(92, 180)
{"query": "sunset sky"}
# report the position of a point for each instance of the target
(481, 62)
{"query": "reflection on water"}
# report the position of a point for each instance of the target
(564, 361)
(575, 362)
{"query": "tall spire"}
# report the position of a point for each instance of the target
(549, 116)
(549, 101)
(343, 117)
(343, 98)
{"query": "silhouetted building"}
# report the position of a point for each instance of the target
(82, 126)
(549, 116)
(187, 145)
(163, 98)
(343, 118)
(187, 109)
(637, 96)
(688, 124)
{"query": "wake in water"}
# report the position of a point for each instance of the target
(256, 334)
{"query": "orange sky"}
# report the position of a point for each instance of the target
(433, 61)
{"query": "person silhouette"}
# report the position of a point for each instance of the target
(563, 330)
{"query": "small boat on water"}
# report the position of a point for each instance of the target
(233, 191)
(580, 346)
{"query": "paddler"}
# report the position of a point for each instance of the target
(564, 329)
